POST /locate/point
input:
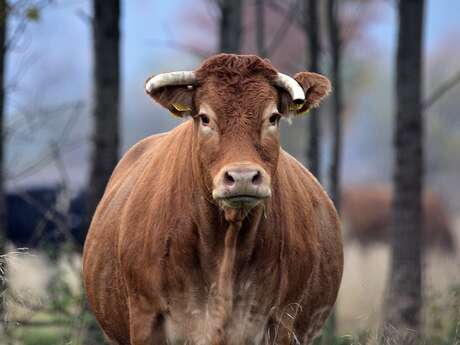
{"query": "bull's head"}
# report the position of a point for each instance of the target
(236, 102)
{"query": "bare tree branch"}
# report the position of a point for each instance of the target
(278, 7)
(84, 16)
(41, 323)
(442, 90)
(284, 27)
(195, 51)
(25, 129)
(18, 10)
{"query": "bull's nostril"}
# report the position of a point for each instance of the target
(228, 179)
(257, 178)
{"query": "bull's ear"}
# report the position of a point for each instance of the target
(315, 86)
(178, 99)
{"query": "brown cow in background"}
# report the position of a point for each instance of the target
(366, 213)
(211, 234)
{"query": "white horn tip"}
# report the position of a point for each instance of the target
(148, 85)
(168, 79)
(292, 86)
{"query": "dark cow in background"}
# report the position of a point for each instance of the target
(45, 218)
(366, 215)
(29, 222)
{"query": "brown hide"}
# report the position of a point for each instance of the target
(367, 214)
(166, 263)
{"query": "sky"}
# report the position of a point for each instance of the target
(49, 77)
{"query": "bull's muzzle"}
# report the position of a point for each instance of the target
(241, 185)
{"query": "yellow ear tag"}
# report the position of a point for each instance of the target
(305, 112)
(181, 107)
(295, 107)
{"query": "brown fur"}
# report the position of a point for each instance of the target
(163, 261)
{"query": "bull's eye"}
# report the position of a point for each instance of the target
(274, 119)
(204, 119)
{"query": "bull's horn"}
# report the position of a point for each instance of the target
(169, 79)
(292, 86)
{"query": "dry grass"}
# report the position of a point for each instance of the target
(364, 281)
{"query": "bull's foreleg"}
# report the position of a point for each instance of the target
(146, 323)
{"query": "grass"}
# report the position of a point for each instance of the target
(40, 336)
(45, 303)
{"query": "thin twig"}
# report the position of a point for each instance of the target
(41, 323)
(282, 30)
(442, 90)
(200, 53)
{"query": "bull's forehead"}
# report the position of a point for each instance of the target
(246, 99)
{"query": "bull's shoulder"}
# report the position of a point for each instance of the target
(302, 192)
(293, 174)
(124, 178)
(153, 150)
(135, 156)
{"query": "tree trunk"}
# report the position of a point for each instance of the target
(260, 27)
(105, 140)
(3, 30)
(230, 29)
(332, 11)
(405, 289)
(3, 221)
(337, 102)
(312, 27)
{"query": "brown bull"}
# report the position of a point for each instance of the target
(211, 234)
(366, 210)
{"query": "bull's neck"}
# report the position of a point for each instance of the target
(240, 239)
(234, 254)
(213, 224)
